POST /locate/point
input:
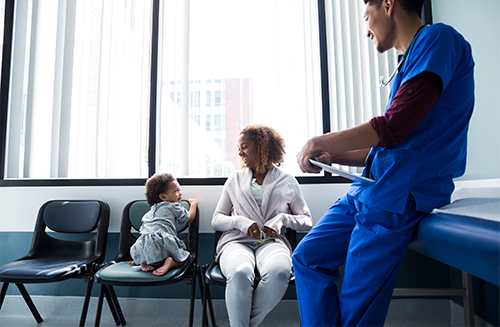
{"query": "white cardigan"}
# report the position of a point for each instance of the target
(283, 206)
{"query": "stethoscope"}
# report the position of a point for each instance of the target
(383, 83)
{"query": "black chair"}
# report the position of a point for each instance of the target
(60, 254)
(119, 273)
(212, 275)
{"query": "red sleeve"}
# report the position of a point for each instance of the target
(411, 103)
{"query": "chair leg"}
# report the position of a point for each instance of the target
(114, 305)
(86, 302)
(193, 293)
(207, 299)
(210, 307)
(204, 320)
(3, 293)
(202, 289)
(29, 302)
(97, 321)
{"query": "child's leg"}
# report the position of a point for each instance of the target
(169, 264)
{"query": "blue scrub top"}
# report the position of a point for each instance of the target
(425, 164)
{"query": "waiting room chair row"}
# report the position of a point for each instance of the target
(57, 254)
(54, 256)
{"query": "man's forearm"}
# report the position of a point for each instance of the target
(338, 144)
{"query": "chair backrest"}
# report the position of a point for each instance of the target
(71, 217)
(132, 221)
(139, 208)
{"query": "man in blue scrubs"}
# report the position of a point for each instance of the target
(413, 152)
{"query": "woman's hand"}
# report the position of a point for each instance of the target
(269, 231)
(253, 231)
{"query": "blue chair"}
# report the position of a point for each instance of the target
(119, 273)
(61, 254)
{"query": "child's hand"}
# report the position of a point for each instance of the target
(131, 263)
(193, 202)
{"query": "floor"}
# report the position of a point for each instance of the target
(65, 311)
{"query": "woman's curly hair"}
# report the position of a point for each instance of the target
(270, 146)
(156, 185)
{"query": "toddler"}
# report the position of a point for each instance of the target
(158, 249)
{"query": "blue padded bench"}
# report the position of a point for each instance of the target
(465, 235)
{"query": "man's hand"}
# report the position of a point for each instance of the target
(348, 147)
(308, 152)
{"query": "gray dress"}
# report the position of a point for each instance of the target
(158, 236)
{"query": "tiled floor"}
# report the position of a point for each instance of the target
(65, 311)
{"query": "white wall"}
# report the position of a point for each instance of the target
(476, 20)
(20, 204)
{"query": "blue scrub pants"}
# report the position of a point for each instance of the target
(371, 243)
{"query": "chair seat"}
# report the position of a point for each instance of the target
(123, 272)
(40, 269)
(216, 275)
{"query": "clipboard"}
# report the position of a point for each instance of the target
(343, 173)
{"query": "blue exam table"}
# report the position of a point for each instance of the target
(466, 235)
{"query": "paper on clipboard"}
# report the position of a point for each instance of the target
(343, 173)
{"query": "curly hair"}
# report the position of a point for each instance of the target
(156, 185)
(270, 146)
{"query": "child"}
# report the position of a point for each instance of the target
(158, 248)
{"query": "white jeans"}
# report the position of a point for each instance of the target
(247, 306)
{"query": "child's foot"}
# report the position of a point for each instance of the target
(161, 271)
(169, 264)
(146, 267)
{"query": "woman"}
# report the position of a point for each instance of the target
(256, 206)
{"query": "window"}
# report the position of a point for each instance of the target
(79, 105)
(354, 67)
(102, 91)
(208, 99)
(255, 61)
(218, 98)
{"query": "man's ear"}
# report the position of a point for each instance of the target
(388, 6)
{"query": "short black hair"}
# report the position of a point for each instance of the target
(410, 6)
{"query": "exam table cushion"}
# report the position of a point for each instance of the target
(465, 235)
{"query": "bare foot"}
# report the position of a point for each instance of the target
(146, 267)
(169, 264)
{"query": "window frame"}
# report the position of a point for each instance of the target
(325, 178)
